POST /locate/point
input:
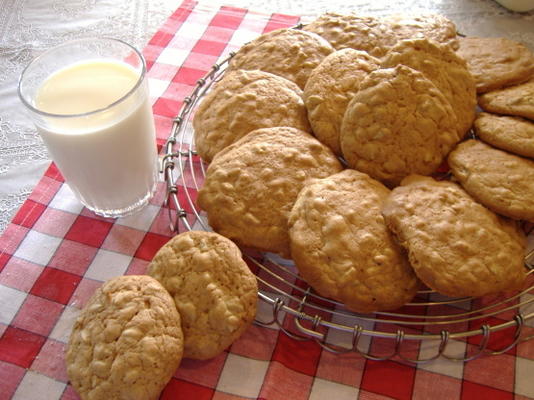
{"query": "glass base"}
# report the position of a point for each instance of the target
(124, 212)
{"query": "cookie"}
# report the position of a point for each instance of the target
(290, 53)
(496, 62)
(445, 69)
(342, 247)
(353, 31)
(455, 245)
(397, 124)
(127, 341)
(376, 35)
(251, 186)
(514, 100)
(434, 27)
(329, 89)
(513, 134)
(242, 102)
(501, 181)
(213, 288)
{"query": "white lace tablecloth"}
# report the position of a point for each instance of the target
(27, 27)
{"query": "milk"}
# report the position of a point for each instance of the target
(107, 157)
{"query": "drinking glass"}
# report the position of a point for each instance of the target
(107, 154)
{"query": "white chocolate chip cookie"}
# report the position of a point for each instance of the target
(358, 32)
(513, 134)
(501, 181)
(513, 100)
(329, 89)
(213, 288)
(496, 62)
(434, 27)
(455, 245)
(127, 341)
(397, 124)
(242, 102)
(376, 35)
(290, 53)
(251, 185)
(445, 69)
(342, 247)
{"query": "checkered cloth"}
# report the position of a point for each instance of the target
(55, 253)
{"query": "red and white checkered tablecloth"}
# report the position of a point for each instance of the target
(55, 253)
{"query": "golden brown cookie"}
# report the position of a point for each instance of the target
(397, 124)
(290, 53)
(496, 62)
(242, 102)
(513, 100)
(376, 35)
(366, 33)
(251, 186)
(213, 288)
(342, 247)
(445, 69)
(435, 27)
(455, 245)
(501, 181)
(127, 341)
(513, 134)
(329, 89)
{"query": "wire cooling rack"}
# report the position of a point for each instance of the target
(429, 327)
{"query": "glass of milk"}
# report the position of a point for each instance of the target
(89, 101)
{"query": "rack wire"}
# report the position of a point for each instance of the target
(419, 332)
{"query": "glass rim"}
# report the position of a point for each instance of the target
(32, 108)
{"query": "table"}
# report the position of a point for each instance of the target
(41, 292)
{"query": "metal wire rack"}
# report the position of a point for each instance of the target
(429, 327)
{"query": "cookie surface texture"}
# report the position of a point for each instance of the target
(127, 341)
(342, 247)
(455, 245)
(330, 88)
(435, 27)
(445, 69)
(501, 181)
(365, 33)
(290, 53)
(514, 100)
(398, 123)
(513, 134)
(213, 288)
(242, 102)
(496, 62)
(251, 185)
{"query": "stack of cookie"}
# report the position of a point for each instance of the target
(347, 195)
(199, 296)
(497, 169)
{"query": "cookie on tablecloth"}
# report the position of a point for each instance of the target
(212, 286)
(290, 53)
(513, 134)
(496, 62)
(127, 341)
(329, 89)
(501, 181)
(514, 100)
(397, 124)
(445, 69)
(242, 102)
(455, 245)
(342, 247)
(251, 185)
